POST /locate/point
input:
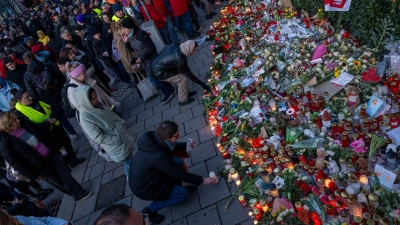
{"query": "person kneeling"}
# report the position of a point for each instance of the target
(156, 175)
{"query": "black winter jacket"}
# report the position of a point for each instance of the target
(17, 76)
(141, 43)
(23, 157)
(170, 62)
(153, 173)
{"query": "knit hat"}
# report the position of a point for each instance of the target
(116, 7)
(187, 47)
(127, 23)
(80, 18)
(7, 60)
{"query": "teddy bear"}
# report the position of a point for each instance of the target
(353, 99)
(276, 141)
(320, 161)
(361, 166)
(333, 166)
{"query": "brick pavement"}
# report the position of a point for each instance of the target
(204, 207)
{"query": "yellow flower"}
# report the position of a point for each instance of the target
(273, 214)
(320, 10)
(373, 61)
(337, 72)
(283, 208)
(357, 64)
(342, 59)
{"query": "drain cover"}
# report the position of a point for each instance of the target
(111, 192)
(54, 205)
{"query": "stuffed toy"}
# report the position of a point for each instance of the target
(321, 154)
(353, 98)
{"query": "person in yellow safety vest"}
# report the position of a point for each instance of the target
(96, 8)
(118, 13)
(40, 113)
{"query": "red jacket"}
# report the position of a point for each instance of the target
(2, 70)
(162, 8)
(40, 47)
(179, 7)
(158, 18)
(17, 61)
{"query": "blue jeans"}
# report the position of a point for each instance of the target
(171, 30)
(127, 164)
(179, 194)
(124, 76)
(165, 87)
(165, 35)
(186, 21)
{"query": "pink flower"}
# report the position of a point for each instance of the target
(212, 47)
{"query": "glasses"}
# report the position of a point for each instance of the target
(145, 218)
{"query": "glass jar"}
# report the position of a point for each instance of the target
(350, 167)
(373, 200)
(343, 164)
(384, 221)
(344, 216)
(351, 203)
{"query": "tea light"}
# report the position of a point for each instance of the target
(238, 182)
(274, 192)
(357, 211)
(234, 175)
(327, 181)
(364, 182)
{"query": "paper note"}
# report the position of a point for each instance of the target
(343, 79)
(386, 177)
(377, 107)
(395, 134)
(279, 182)
(328, 87)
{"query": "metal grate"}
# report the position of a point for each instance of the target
(111, 192)
(54, 205)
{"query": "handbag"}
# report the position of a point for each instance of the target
(146, 88)
(14, 175)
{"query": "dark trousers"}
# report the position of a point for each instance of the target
(57, 174)
(62, 136)
(59, 113)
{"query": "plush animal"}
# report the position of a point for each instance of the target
(353, 99)
(276, 141)
(358, 146)
(333, 166)
(261, 186)
(362, 166)
(321, 154)
(391, 153)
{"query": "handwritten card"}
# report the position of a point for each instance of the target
(343, 79)
(279, 182)
(386, 177)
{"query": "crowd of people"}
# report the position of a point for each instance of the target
(63, 59)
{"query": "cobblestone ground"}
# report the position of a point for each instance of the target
(204, 207)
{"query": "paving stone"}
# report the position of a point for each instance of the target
(83, 221)
(186, 207)
(125, 114)
(248, 222)
(130, 121)
(136, 128)
(208, 215)
(182, 221)
(181, 128)
(66, 208)
(152, 121)
(95, 185)
(106, 177)
(188, 161)
(209, 194)
(97, 170)
(166, 212)
(198, 64)
(87, 175)
(144, 114)
(79, 172)
(205, 134)
(168, 113)
(153, 102)
(118, 172)
(93, 160)
(110, 165)
(128, 191)
(215, 164)
(161, 107)
(198, 110)
(84, 208)
(136, 109)
(189, 106)
(86, 185)
(235, 208)
(129, 104)
(203, 152)
(138, 204)
(93, 217)
(126, 201)
(144, 131)
(195, 124)
(183, 117)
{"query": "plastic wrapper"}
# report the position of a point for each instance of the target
(311, 143)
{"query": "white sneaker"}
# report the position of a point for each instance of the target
(87, 196)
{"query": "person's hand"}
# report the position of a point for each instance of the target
(39, 178)
(209, 180)
(218, 3)
(124, 37)
(109, 31)
(105, 53)
(193, 143)
(53, 121)
(139, 60)
(134, 66)
(15, 201)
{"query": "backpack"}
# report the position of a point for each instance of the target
(68, 110)
(43, 56)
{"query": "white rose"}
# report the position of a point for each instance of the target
(364, 67)
(270, 58)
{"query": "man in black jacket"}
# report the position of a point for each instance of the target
(156, 175)
(171, 66)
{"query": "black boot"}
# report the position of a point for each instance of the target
(153, 217)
